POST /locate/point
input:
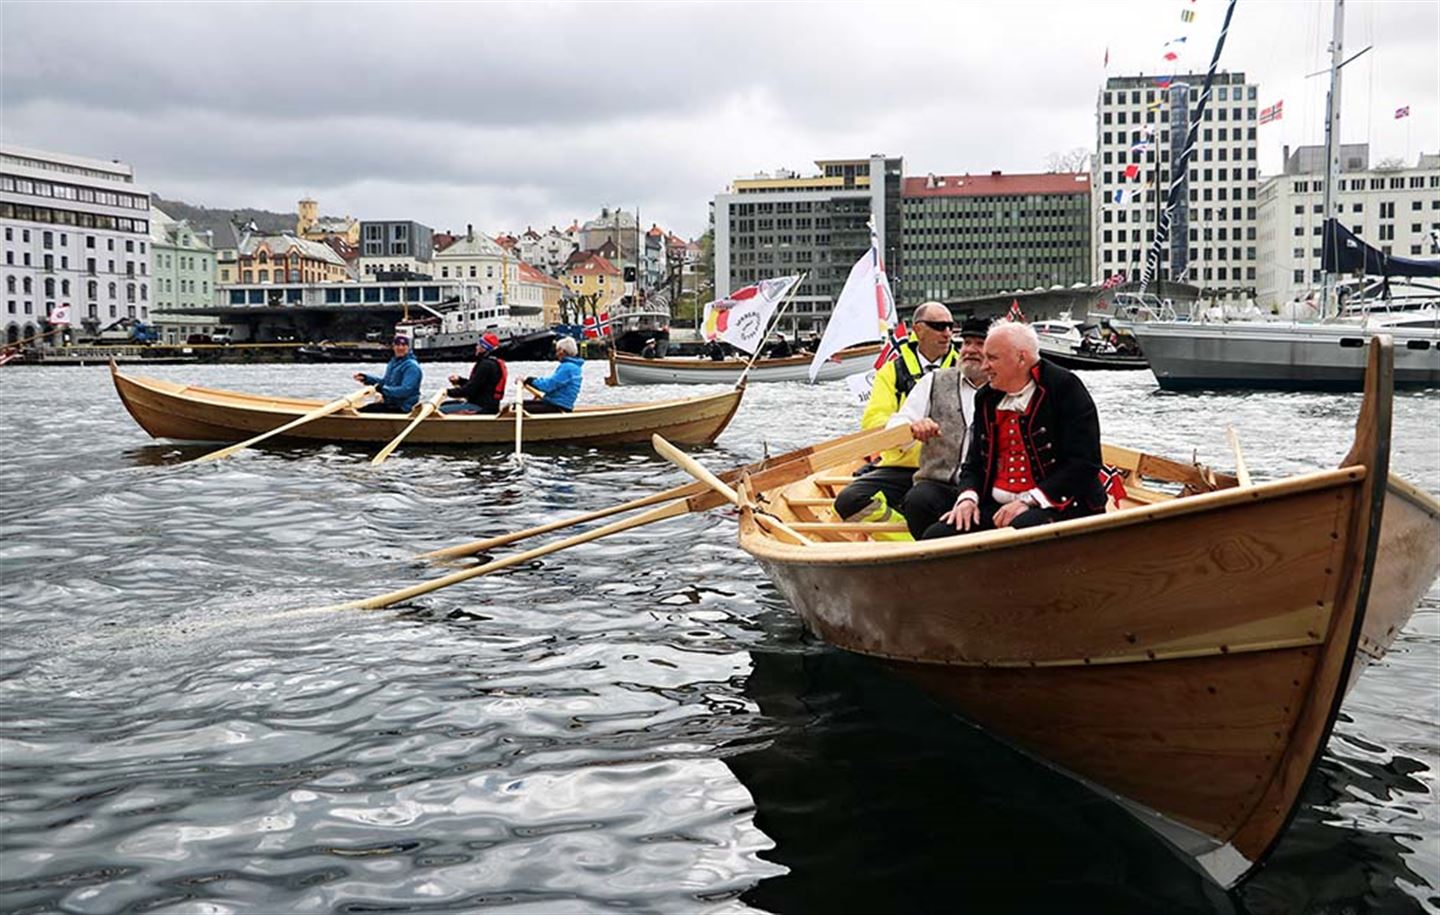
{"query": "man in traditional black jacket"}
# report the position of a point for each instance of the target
(1034, 454)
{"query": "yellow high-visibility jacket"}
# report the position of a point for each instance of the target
(893, 383)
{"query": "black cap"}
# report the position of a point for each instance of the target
(974, 327)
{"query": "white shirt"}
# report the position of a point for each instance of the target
(917, 407)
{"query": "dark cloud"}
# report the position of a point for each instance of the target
(511, 114)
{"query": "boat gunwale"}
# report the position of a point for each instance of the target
(221, 398)
(864, 553)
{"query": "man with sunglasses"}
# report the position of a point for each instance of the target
(878, 493)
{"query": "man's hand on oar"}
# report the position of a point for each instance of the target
(334, 406)
(430, 406)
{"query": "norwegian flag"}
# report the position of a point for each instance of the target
(1113, 280)
(588, 328)
(1274, 113)
(1015, 314)
(606, 329)
(1112, 479)
(891, 349)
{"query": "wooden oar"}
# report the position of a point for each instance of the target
(845, 449)
(1242, 473)
(394, 597)
(519, 420)
(812, 457)
(430, 406)
(334, 406)
(693, 467)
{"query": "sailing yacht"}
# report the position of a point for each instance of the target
(1325, 354)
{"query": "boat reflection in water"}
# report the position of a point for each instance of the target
(878, 800)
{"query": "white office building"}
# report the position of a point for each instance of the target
(1140, 122)
(1396, 210)
(76, 232)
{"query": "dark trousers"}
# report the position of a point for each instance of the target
(1031, 517)
(894, 482)
(926, 501)
(465, 407)
(543, 406)
(381, 407)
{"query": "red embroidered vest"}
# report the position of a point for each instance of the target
(1013, 473)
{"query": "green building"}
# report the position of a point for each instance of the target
(974, 235)
(183, 266)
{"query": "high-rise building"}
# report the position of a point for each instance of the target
(1141, 128)
(76, 232)
(970, 235)
(775, 225)
(1396, 210)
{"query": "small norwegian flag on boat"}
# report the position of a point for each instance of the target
(1112, 478)
(1015, 314)
(588, 328)
(891, 349)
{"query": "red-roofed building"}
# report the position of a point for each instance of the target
(974, 235)
(590, 274)
(536, 287)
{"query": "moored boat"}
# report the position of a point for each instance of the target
(627, 369)
(1073, 345)
(181, 412)
(1185, 654)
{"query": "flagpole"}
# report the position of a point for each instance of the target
(789, 297)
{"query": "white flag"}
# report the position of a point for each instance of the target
(864, 311)
(60, 314)
(742, 318)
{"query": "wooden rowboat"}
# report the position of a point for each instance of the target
(627, 369)
(190, 413)
(1185, 653)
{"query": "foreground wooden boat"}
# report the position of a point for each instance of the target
(190, 413)
(1186, 653)
(627, 369)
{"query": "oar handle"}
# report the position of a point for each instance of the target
(693, 467)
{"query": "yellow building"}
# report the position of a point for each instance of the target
(286, 259)
(312, 228)
(595, 279)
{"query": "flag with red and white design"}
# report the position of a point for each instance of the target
(588, 328)
(1015, 314)
(1274, 113)
(1402, 112)
(742, 318)
(1112, 480)
(59, 315)
(864, 310)
(605, 327)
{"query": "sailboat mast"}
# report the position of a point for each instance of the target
(1332, 147)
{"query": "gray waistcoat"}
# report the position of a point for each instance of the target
(940, 457)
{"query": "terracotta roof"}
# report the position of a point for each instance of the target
(529, 274)
(997, 184)
(508, 242)
(655, 230)
(443, 240)
(594, 264)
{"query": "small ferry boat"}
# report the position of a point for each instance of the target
(627, 369)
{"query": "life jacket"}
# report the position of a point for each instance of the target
(908, 370)
(504, 377)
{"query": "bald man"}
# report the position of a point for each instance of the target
(878, 494)
(1034, 453)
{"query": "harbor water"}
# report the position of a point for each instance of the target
(637, 724)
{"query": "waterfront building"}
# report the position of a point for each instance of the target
(549, 250)
(394, 247)
(1140, 123)
(595, 281)
(971, 235)
(617, 227)
(183, 273)
(311, 226)
(1394, 209)
(537, 289)
(481, 262)
(76, 231)
(772, 225)
(284, 259)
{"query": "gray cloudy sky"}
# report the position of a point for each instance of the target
(504, 115)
